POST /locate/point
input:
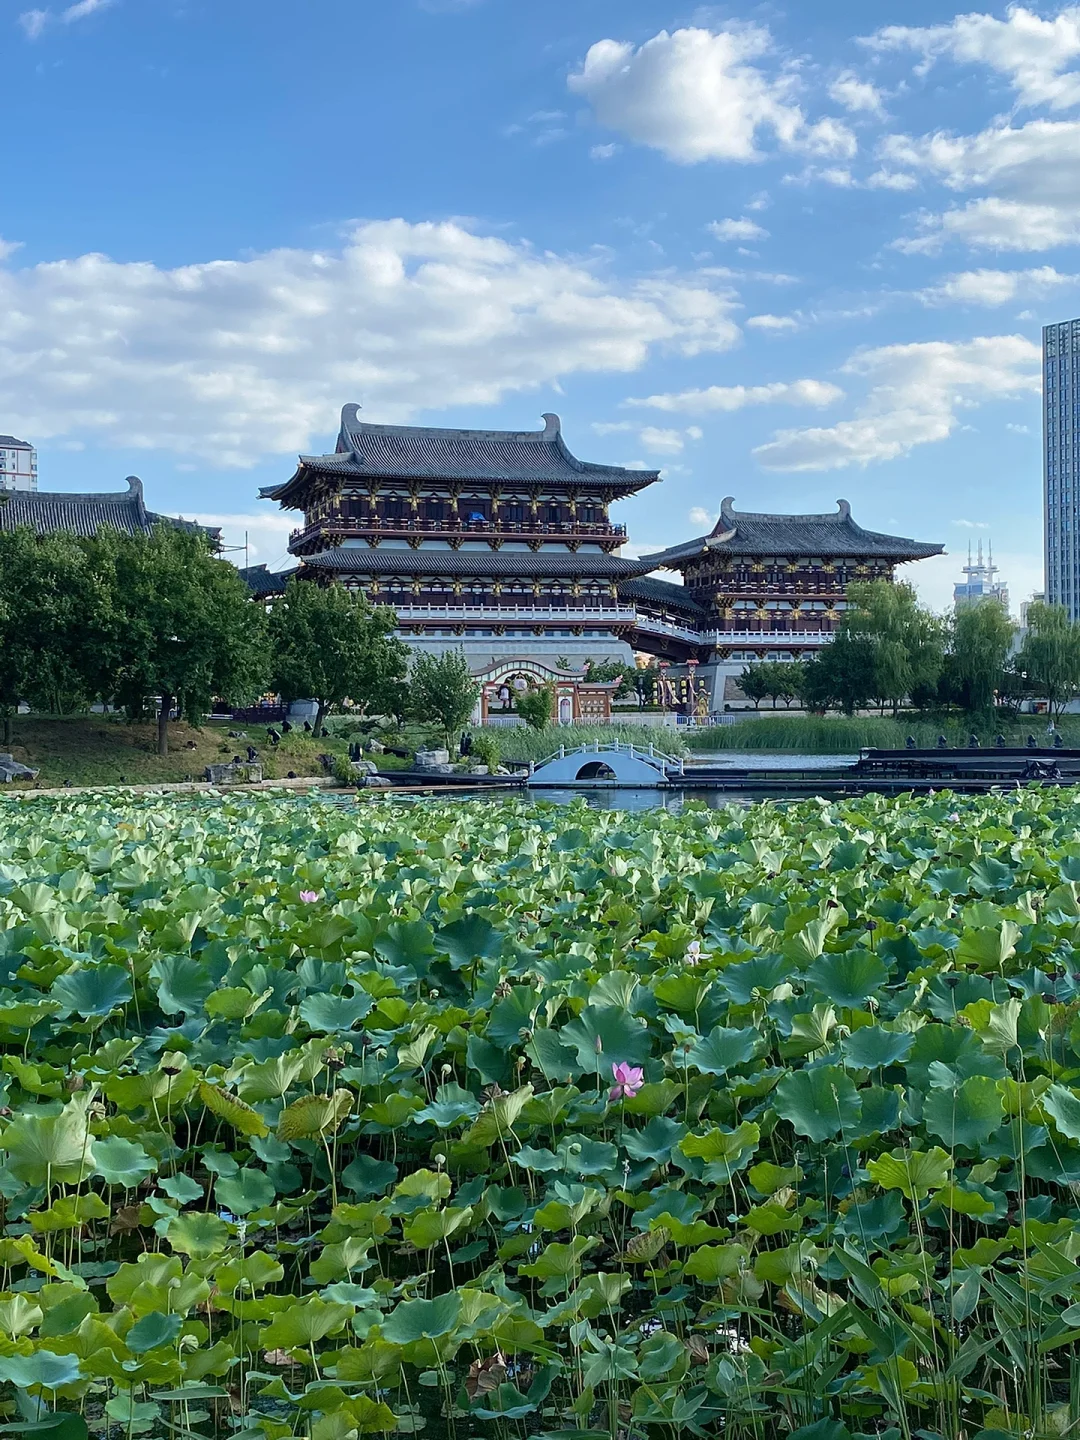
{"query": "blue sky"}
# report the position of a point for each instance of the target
(787, 254)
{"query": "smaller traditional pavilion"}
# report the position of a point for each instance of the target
(774, 587)
(64, 513)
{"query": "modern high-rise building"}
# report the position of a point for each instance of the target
(980, 581)
(18, 464)
(1061, 463)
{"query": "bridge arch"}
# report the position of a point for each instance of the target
(605, 764)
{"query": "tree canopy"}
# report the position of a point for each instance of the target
(982, 637)
(329, 645)
(1050, 655)
(443, 692)
(184, 627)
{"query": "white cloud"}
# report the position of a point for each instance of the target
(972, 524)
(697, 94)
(34, 22)
(233, 360)
(891, 180)
(662, 442)
(816, 393)
(743, 229)
(916, 395)
(267, 535)
(1033, 53)
(995, 287)
(774, 324)
(856, 95)
(656, 441)
(82, 8)
(698, 516)
(604, 152)
(1030, 176)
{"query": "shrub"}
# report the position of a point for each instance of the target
(486, 749)
(535, 706)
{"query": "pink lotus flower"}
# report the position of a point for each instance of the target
(628, 1081)
(309, 897)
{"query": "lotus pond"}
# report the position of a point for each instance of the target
(512, 1120)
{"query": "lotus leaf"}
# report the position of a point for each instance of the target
(43, 1368)
(199, 1235)
(838, 1202)
(819, 1103)
(92, 993)
(966, 1115)
(332, 1014)
(122, 1162)
(51, 1149)
(152, 1331)
(303, 1324)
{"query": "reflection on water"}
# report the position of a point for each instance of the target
(617, 798)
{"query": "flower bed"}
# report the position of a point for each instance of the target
(521, 1119)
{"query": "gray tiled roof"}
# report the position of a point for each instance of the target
(428, 453)
(55, 513)
(262, 581)
(10, 443)
(836, 534)
(357, 560)
(662, 592)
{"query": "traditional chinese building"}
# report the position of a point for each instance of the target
(500, 542)
(773, 587)
(58, 512)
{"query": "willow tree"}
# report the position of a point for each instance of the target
(982, 638)
(1050, 655)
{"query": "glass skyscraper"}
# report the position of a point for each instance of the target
(1061, 463)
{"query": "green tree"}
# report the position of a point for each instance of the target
(906, 641)
(981, 640)
(754, 683)
(842, 676)
(54, 609)
(183, 629)
(774, 680)
(536, 705)
(443, 692)
(604, 671)
(1050, 655)
(329, 645)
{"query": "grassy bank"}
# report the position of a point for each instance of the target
(107, 750)
(839, 735)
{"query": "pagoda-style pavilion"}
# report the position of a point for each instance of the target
(497, 541)
(773, 587)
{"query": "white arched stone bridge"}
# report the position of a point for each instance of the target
(607, 763)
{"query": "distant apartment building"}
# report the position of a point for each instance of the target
(1061, 463)
(980, 581)
(18, 464)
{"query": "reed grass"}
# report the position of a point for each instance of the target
(843, 735)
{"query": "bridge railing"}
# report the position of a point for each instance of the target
(649, 754)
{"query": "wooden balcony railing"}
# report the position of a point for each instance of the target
(338, 529)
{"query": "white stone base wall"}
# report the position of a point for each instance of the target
(482, 651)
